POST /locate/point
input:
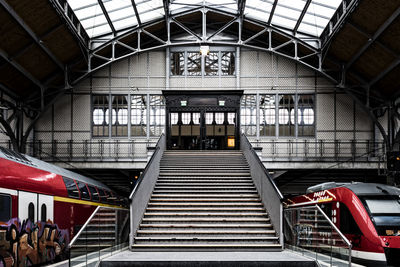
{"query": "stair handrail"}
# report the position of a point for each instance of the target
(83, 228)
(88, 221)
(139, 181)
(147, 180)
(342, 236)
(269, 193)
(262, 166)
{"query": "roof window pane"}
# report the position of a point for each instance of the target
(121, 24)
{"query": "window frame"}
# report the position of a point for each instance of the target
(10, 206)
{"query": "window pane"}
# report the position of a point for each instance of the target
(84, 191)
(5, 208)
(286, 115)
(231, 118)
(209, 118)
(71, 187)
(306, 120)
(185, 118)
(93, 192)
(157, 114)
(248, 114)
(194, 64)
(219, 118)
(138, 115)
(100, 124)
(174, 118)
(211, 64)
(228, 63)
(196, 118)
(267, 115)
(177, 63)
(383, 206)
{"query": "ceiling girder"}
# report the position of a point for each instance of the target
(136, 13)
(21, 69)
(103, 8)
(28, 30)
(272, 12)
(385, 71)
(303, 13)
(376, 35)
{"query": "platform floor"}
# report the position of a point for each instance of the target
(283, 258)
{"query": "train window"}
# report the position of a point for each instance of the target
(43, 217)
(5, 208)
(108, 196)
(347, 223)
(31, 212)
(71, 187)
(103, 197)
(84, 191)
(94, 193)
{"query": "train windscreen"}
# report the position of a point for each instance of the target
(385, 212)
(71, 187)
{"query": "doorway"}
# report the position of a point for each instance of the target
(209, 121)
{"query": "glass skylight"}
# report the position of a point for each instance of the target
(121, 13)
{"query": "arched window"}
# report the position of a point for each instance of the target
(113, 116)
(283, 116)
(43, 211)
(308, 116)
(98, 116)
(122, 116)
(269, 116)
(31, 212)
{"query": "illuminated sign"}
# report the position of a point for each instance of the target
(231, 141)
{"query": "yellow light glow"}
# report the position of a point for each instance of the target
(204, 50)
(231, 142)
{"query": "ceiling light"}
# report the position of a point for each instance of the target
(204, 50)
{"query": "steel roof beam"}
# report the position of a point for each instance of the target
(21, 69)
(28, 30)
(376, 35)
(385, 71)
(8, 91)
(166, 10)
(271, 14)
(103, 8)
(303, 13)
(241, 6)
(136, 13)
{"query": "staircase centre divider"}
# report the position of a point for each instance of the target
(141, 193)
(269, 192)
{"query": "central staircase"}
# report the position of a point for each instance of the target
(205, 200)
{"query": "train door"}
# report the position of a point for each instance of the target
(35, 207)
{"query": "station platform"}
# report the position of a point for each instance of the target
(178, 259)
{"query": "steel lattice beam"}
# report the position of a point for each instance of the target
(385, 72)
(28, 30)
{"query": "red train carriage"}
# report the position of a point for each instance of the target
(367, 214)
(41, 206)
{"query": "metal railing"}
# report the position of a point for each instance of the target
(105, 233)
(141, 194)
(269, 192)
(309, 231)
(321, 150)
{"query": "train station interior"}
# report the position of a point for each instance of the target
(199, 132)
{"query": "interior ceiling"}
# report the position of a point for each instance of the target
(40, 52)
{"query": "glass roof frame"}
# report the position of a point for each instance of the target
(102, 17)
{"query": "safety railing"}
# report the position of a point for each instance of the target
(321, 150)
(309, 231)
(141, 193)
(269, 192)
(105, 233)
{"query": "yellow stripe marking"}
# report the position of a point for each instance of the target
(83, 202)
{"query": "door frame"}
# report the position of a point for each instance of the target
(202, 101)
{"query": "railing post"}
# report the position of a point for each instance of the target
(336, 149)
(70, 149)
(353, 149)
(305, 148)
(117, 149)
(321, 148)
(85, 149)
(101, 149)
(54, 149)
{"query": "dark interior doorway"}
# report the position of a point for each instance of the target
(202, 120)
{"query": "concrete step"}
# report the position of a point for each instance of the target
(181, 215)
(221, 204)
(214, 184)
(204, 220)
(204, 238)
(195, 192)
(206, 245)
(219, 232)
(225, 196)
(191, 174)
(196, 209)
(155, 199)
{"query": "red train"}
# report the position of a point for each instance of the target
(41, 206)
(367, 214)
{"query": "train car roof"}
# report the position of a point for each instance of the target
(42, 165)
(358, 188)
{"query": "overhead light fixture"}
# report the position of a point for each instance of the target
(204, 50)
